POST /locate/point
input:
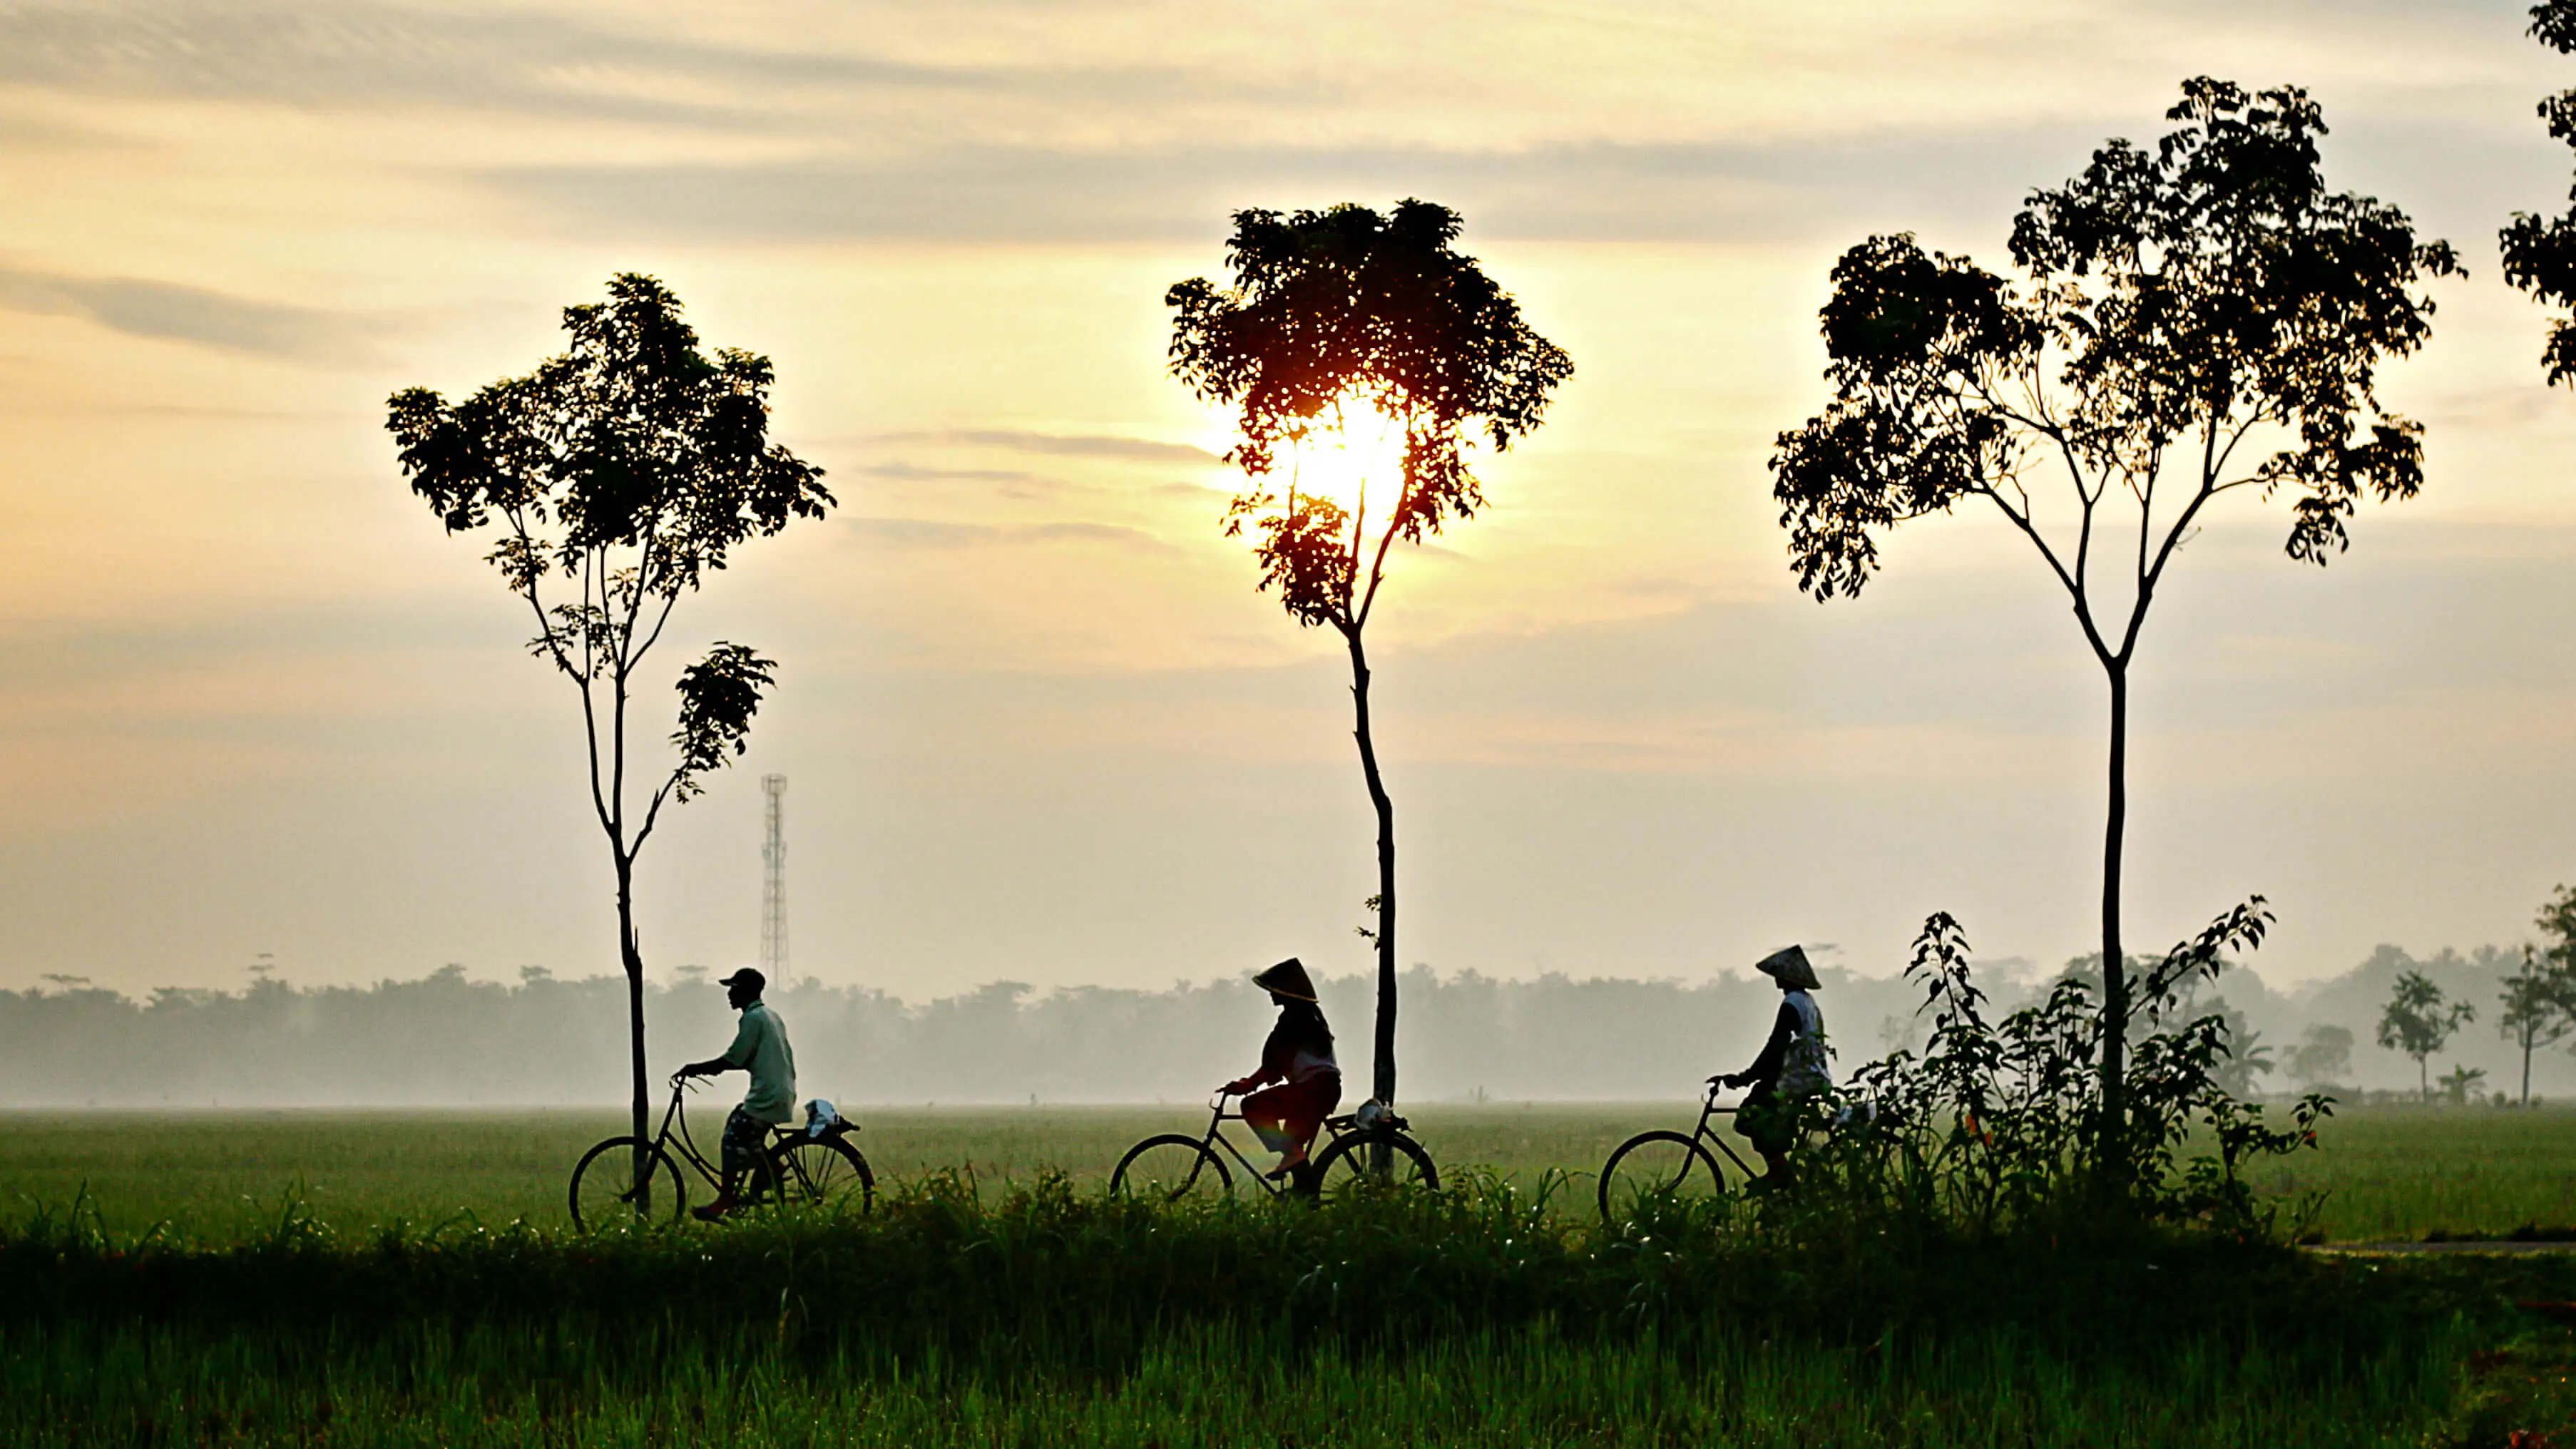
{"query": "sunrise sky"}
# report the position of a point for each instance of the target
(1037, 723)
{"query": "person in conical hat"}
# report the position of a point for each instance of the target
(1298, 1057)
(1790, 1069)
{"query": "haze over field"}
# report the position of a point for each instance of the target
(1039, 726)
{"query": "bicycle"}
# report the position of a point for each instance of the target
(796, 1171)
(1172, 1166)
(1661, 1163)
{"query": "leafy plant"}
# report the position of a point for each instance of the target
(2001, 1123)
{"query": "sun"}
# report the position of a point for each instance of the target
(1361, 456)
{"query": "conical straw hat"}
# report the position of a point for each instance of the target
(1288, 978)
(1789, 967)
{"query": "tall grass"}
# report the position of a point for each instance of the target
(2385, 1173)
(1236, 1384)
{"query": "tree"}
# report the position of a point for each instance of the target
(621, 473)
(2540, 255)
(2419, 1019)
(2323, 1055)
(2199, 319)
(2539, 1008)
(1335, 317)
(2460, 1081)
(2557, 922)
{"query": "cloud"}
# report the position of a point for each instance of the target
(928, 533)
(170, 311)
(359, 54)
(915, 473)
(1593, 192)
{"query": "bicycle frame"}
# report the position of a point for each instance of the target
(688, 1147)
(1708, 1136)
(1335, 1128)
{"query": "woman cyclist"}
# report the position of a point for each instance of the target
(1299, 1057)
(1790, 1069)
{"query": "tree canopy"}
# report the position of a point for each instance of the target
(2540, 252)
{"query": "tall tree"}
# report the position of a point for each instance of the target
(2540, 253)
(1334, 316)
(2539, 1008)
(2323, 1055)
(620, 474)
(2194, 320)
(2418, 1020)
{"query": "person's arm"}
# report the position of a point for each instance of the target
(1775, 1052)
(736, 1058)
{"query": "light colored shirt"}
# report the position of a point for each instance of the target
(1805, 1072)
(761, 1047)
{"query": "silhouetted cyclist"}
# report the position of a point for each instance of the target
(1790, 1069)
(1298, 1056)
(760, 1048)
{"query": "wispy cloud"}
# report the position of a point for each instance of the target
(1075, 445)
(171, 311)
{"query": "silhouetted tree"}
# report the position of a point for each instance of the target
(2323, 1055)
(2418, 1020)
(621, 473)
(2540, 255)
(1337, 311)
(2557, 922)
(2196, 319)
(2539, 1009)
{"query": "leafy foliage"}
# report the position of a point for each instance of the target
(1340, 311)
(2001, 1125)
(2175, 302)
(2540, 252)
(2419, 1019)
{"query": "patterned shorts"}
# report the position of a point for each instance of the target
(745, 1137)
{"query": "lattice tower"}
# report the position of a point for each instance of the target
(773, 883)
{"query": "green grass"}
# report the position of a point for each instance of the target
(1054, 1316)
(221, 1175)
(1521, 1388)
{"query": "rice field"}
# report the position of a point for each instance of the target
(341, 1278)
(2386, 1174)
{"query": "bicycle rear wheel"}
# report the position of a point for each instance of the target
(1346, 1164)
(807, 1173)
(606, 1191)
(1655, 1168)
(1171, 1168)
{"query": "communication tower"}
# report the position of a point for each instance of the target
(773, 884)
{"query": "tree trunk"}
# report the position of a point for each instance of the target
(631, 956)
(1382, 1076)
(2526, 1069)
(2115, 977)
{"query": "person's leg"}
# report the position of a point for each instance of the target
(1760, 1119)
(744, 1137)
(1286, 1118)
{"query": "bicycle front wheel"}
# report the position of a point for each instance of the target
(1654, 1168)
(1350, 1163)
(807, 1173)
(626, 1180)
(1171, 1168)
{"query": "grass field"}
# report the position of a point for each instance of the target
(2387, 1174)
(1003, 1308)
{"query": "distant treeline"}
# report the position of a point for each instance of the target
(446, 1039)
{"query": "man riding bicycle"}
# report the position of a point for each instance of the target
(760, 1048)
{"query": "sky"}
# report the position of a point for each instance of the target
(256, 707)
